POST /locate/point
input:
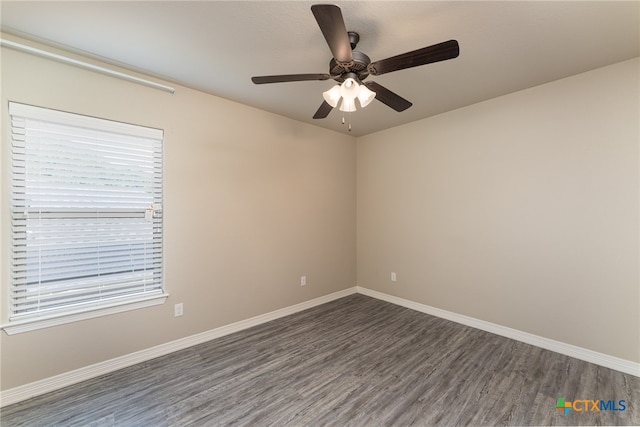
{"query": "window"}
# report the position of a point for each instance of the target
(86, 216)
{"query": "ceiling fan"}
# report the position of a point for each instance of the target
(349, 67)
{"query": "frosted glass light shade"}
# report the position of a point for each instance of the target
(365, 96)
(348, 105)
(332, 96)
(349, 89)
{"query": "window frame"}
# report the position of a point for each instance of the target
(99, 307)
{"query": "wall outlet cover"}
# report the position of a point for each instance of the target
(178, 310)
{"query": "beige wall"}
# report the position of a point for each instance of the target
(521, 211)
(252, 202)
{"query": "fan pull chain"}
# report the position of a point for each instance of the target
(343, 121)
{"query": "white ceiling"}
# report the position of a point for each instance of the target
(217, 46)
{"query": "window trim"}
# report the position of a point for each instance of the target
(26, 325)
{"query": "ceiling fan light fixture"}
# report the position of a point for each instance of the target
(332, 96)
(348, 91)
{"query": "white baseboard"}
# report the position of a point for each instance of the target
(65, 379)
(622, 365)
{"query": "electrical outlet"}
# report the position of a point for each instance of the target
(178, 310)
(394, 278)
(303, 280)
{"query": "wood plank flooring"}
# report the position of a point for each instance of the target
(356, 361)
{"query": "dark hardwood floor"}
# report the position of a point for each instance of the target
(356, 361)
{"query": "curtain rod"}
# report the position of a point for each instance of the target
(86, 65)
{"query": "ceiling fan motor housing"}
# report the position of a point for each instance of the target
(359, 66)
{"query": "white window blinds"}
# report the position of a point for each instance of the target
(86, 212)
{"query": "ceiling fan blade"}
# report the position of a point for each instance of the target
(427, 55)
(323, 111)
(329, 18)
(259, 80)
(391, 99)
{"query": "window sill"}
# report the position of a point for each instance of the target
(26, 325)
